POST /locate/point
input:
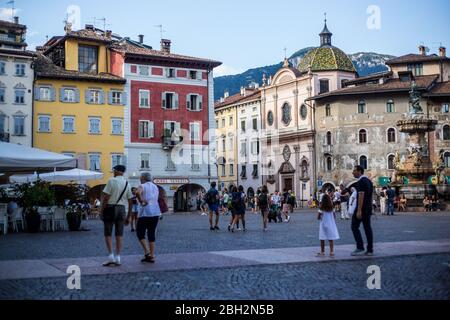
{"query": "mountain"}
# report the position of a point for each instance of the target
(365, 63)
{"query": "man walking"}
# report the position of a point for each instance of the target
(117, 197)
(363, 213)
(212, 199)
(390, 195)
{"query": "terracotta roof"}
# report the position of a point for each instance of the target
(393, 85)
(45, 68)
(87, 34)
(133, 50)
(414, 58)
(25, 53)
(8, 24)
(371, 77)
(440, 89)
(238, 98)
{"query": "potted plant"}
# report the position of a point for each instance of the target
(31, 196)
(76, 194)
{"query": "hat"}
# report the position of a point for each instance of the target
(120, 168)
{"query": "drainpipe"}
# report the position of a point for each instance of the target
(209, 133)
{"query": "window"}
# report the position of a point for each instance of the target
(447, 159)
(244, 148)
(170, 100)
(362, 136)
(445, 108)
(19, 125)
(117, 127)
(391, 135)
(146, 130)
(195, 131)
(172, 127)
(255, 147)
(324, 86)
(446, 132)
(391, 163)
(116, 97)
(43, 123)
(328, 110)
(255, 124)
(223, 170)
(416, 69)
(195, 162)
(223, 123)
(2, 124)
(145, 161)
(68, 124)
(329, 163)
(2, 95)
(144, 70)
(217, 124)
(2, 68)
(95, 96)
(194, 102)
(231, 169)
(343, 81)
(94, 162)
(223, 145)
(270, 118)
(170, 73)
(303, 112)
(117, 159)
(286, 114)
(20, 97)
(304, 169)
(45, 94)
(329, 139)
(170, 164)
(87, 59)
(390, 107)
(243, 125)
(231, 143)
(144, 99)
(194, 75)
(244, 172)
(69, 95)
(255, 172)
(94, 125)
(20, 70)
(362, 106)
(231, 121)
(363, 162)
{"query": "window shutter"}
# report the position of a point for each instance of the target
(87, 96)
(177, 128)
(124, 98)
(176, 101)
(52, 94)
(200, 102)
(37, 93)
(163, 99)
(151, 129)
(77, 95)
(110, 97)
(61, 95)
(188, 102)
(102, 97)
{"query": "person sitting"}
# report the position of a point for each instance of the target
(427, 204)
(403, 202)
(434, 203)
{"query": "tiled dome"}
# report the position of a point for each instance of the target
(326, 58)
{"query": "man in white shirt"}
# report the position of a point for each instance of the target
(116, 197)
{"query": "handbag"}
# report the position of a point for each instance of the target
(109, 214)
(163, 207)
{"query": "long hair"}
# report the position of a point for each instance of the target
(327, 204)
(265, 189)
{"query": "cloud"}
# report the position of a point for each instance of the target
(32, 33)
(225, 70)
(7, 13)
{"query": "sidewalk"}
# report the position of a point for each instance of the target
(51, 268)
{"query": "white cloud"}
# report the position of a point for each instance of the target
(225, 70)
(32, 33)
(7, 13)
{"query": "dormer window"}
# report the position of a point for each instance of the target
(416, 69)
(88, 59)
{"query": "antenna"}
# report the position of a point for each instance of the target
(285, 55)
(12, 3)
(104, 23)
(160, 26)
(95, 21)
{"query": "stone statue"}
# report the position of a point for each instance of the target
(397, 161)
(415, 153)
(414, 99)
(439, 168)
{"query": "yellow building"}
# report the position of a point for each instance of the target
(79, 101)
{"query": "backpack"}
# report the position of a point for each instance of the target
(237, 201)
(263, 200)
(209, 198)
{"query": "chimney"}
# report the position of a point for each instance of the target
(242, 91)
(226, 94)
(165, 45)
(108, 34)
(422, 50)
(141, 39)
(68, 28)
(442, 52)
(16, 20)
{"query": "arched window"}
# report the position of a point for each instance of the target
(328, 110)
(362, 106)
(303, 112)
(391, 135)
(390, 107)
(286, 114)
(329, 163)
(447, 159)
(329, 139)
(446, 132)
(391, 162)
(363, 162)
(304, 169)
(362, 136)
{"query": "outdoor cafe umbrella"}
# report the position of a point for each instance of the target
(58, 176)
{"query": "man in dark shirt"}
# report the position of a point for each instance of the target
(212, 199)
(390, 194)
(363, 213)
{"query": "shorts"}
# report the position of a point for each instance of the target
(147, 225)
(114, 220)
(214, 208)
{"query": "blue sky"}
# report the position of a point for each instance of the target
(247, 33)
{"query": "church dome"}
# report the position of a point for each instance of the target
(326, 57)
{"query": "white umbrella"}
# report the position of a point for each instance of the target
(15, 158)
(58, 176)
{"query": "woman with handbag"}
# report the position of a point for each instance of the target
(151, 205)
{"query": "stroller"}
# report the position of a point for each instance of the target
(275, 214)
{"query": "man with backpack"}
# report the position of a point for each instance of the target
(263, 203)
(238, 204)
(212, 199)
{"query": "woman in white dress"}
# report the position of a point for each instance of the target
(328, 230)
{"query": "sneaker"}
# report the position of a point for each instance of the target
(212, 229)
(369, 254)
(217, 228)
(265, 230)
(148, 259)
(110, 262)
(244, 230)
(117, 261)
(289, 219)
(358, 253)
(239, 229)
(229, 228)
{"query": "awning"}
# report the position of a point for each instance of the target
(59, 176)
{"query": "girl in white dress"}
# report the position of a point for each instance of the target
(328, 229)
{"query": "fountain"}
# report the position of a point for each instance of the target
(417, 176)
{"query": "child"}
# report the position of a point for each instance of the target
(328, 229)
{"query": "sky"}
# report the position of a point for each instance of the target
(245, 34)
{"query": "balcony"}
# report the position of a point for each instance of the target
(170, 141)
(4, 137)
(328, 149)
